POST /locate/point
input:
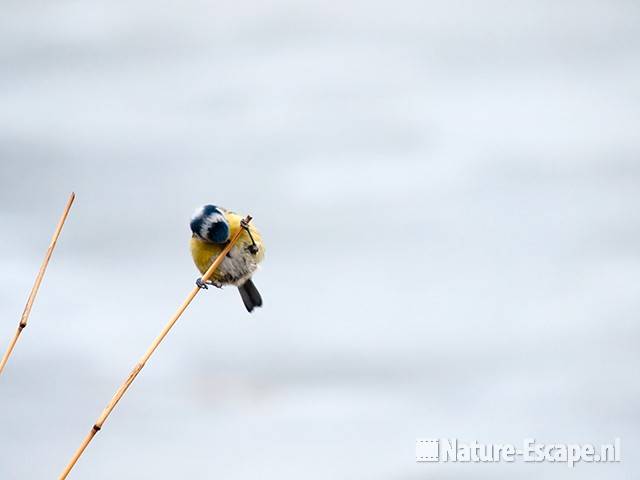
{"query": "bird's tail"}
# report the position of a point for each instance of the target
(250, 295)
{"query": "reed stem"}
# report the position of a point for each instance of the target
(36, 285)
(141, 363)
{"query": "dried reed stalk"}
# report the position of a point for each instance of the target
(36, 285)
(141, 363)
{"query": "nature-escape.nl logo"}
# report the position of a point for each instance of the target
(453, 450)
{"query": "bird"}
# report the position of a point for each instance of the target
(212, 227)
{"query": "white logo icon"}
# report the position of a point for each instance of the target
(427, 450)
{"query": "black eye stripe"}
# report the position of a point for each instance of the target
(196, 224)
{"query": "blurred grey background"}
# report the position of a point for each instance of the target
(449, 195)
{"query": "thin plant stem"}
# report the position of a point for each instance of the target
(141, 363)
(36, 285)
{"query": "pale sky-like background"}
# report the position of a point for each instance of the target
(448, 192)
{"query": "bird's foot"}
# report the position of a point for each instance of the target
(205, 285)
(253, 248)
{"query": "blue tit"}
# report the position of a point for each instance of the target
(211, 228)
